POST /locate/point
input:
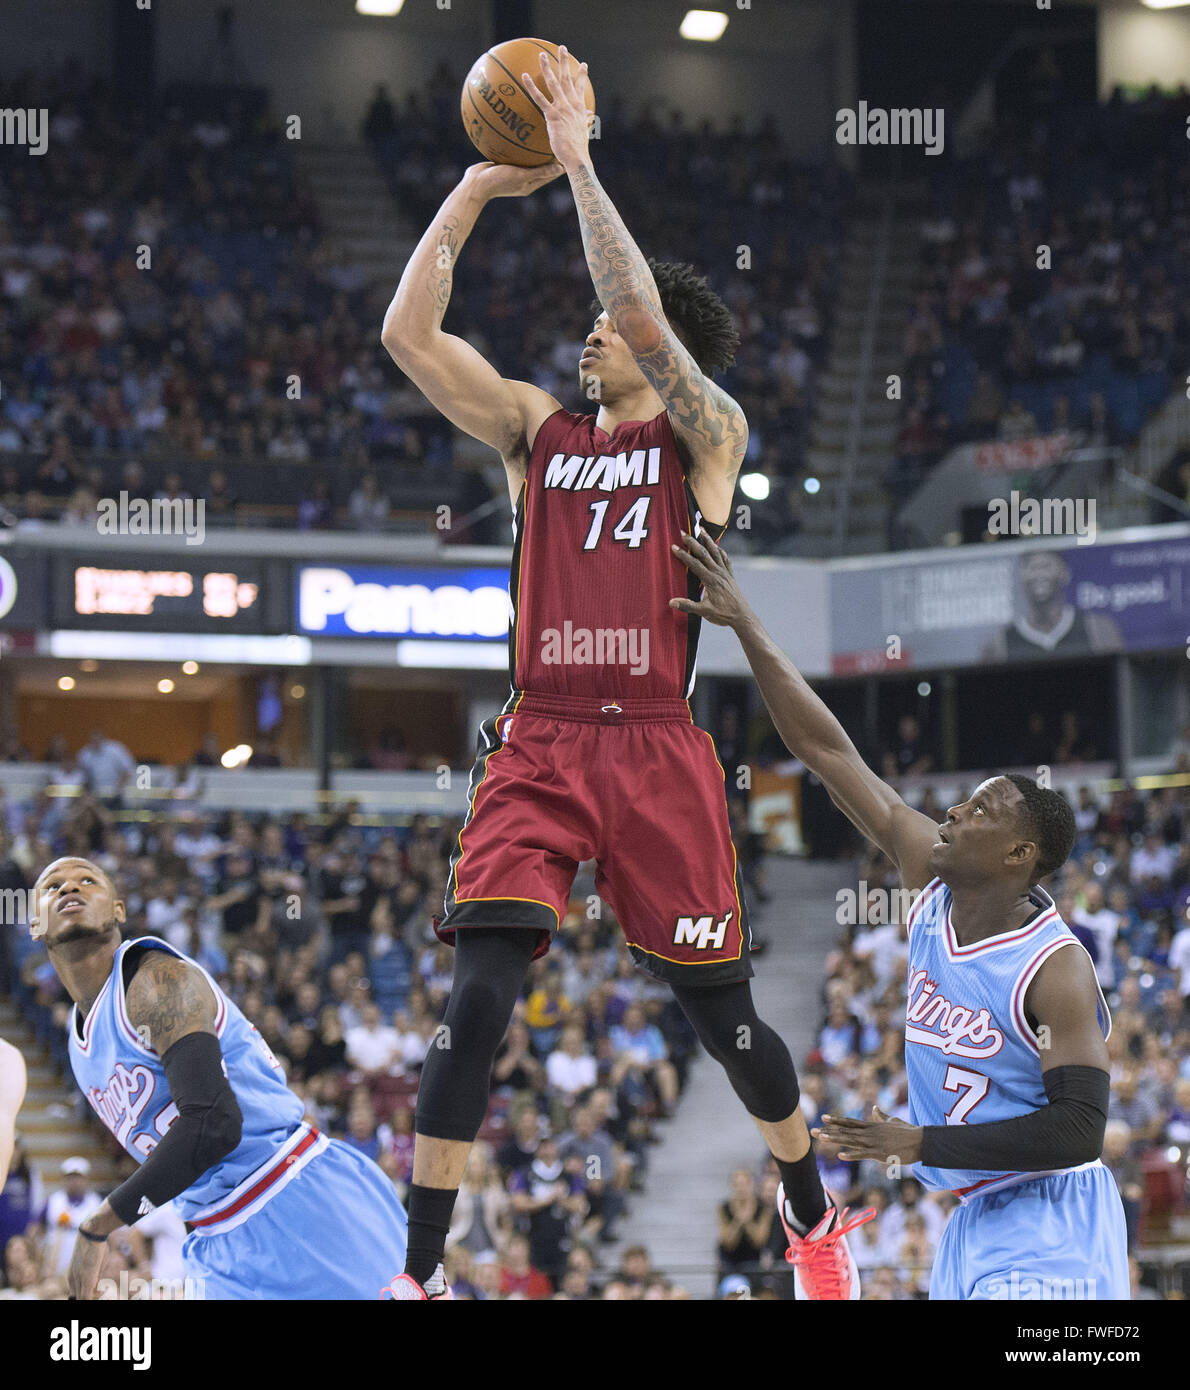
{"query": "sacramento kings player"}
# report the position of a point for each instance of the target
(1005, 1026)
(191, 1090)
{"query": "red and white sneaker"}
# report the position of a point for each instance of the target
(822, 1265)
(405, 1286)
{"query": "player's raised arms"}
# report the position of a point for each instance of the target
(450, 373)
(807, 727)
(706, 419)
(12, 1097)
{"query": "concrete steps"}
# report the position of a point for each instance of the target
(362, 221)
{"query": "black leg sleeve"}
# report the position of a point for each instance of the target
(757, 1062)
(490, 968)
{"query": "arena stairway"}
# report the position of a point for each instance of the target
(676, 1216)
(854, 428)
(361, 220)
(49, 1121)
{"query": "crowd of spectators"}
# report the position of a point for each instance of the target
(321, 931)
(1052, 282)
(1125, 893)
(166, 281)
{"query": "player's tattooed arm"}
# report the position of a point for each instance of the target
(167, 999)
(710, 421)
(450, 373)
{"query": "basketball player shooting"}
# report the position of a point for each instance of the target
(191, 1090)
(12, 1097)
(596, 755)
(1006, 1025)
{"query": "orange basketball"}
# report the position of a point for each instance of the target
(503, 121)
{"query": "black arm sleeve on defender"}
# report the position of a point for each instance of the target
(207, 1129)
(1066, 1132)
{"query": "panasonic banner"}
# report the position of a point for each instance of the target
(381, 601)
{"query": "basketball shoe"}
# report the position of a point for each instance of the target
(822, 1265)
(405, 1286)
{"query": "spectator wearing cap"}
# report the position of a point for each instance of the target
(65, 1212)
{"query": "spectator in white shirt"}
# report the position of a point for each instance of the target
(887, 947)
(1153, 859)
(65, 1212)
(1104, 924)
(372, 1045)
(165, 914)
(571, 1069)
(167, 1232)
(1179, 959)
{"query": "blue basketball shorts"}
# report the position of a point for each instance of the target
(1050, 1237)
(333, 1229)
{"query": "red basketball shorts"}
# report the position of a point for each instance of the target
(635, 786)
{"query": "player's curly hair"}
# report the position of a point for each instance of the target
(696, 314)
(1049, 820)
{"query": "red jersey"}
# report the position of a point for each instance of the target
(592, 570)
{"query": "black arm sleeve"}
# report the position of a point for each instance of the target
(207, 1129)
(1066, 1132)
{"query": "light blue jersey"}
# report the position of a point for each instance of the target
(289, 1213)
(123, 1079)
(972, 1057)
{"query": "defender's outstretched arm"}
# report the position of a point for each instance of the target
(809, 730)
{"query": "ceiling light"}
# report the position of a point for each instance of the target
(706, 25)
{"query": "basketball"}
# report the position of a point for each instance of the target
(502, 120)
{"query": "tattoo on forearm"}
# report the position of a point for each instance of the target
(622, 280)
(442, 275)
(620, 273)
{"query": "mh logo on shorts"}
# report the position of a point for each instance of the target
(703, 933)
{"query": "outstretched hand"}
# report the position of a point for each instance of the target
(880, 1138)
(567, 120)
(722, 600)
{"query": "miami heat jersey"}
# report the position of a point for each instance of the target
(970, 1055)
(123, 1079)
(592, 571)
